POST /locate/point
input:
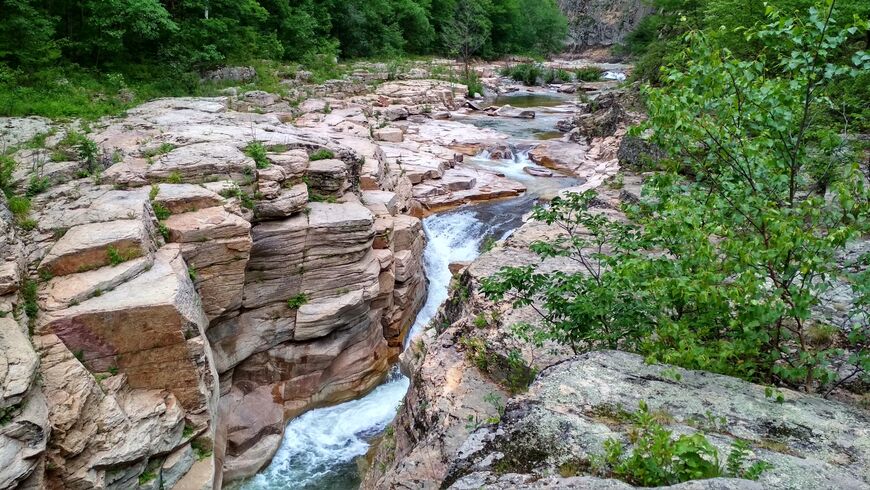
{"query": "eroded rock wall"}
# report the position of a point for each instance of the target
(594, 23)
(189, 299)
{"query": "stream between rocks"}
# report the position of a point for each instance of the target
(320, 448)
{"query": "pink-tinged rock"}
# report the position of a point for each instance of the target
(87, 247)
(149, 329)
(184, 198)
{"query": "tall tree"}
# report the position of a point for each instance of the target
(468, 30)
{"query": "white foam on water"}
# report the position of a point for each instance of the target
(451, 237)
(325, 440)
(319, 448)
(614, 75)
(322, 443)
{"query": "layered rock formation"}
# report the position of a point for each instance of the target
(163, 318)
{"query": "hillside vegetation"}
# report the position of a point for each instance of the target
(69, 57)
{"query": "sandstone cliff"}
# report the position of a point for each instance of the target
(214, 268)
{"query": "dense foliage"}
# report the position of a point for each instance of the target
(660, 38)
(49, 48)
(729, 262)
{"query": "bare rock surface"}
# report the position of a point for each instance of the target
(24, 429)
(184, 198)
(811, 443)
(91, 246)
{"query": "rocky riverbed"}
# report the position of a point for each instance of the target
(218, 267)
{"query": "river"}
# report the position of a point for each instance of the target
(320, 448)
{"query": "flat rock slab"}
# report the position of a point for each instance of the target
(184, 198)
(573, 407)
(202, 161)
(464, 185)
(87, 247)
(63, 291)
(387, 199)
(510, 111)
(393, 135)
(206, 224)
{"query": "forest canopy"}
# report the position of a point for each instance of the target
(202, 33)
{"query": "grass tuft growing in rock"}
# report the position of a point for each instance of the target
(257, 152)
(321, 154)
(295, 302)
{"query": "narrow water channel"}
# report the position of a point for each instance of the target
(320, 448)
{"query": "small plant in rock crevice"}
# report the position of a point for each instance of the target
(257, 152)
(321, 154)
(297, 301)
(656, 458)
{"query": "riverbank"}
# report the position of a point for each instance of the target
(283, 253)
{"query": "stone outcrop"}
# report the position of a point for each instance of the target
(574, 406)
(593, 23)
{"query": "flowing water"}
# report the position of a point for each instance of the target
(549, 109)
(320, 448)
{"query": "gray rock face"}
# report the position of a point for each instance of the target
(573, 407)
(24, 425)
(594, 23)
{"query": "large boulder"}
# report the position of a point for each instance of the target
(216, 245)
(149, 328)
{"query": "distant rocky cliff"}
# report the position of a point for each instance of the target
(593, 23)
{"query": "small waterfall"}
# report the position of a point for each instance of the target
(451, 237)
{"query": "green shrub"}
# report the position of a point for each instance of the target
(712, 272)
(589, 74)
(295, 302)
(117, 257)
(163, 149)
(526, 73)
(7, 168)
(19, 206)
(160, 211)
(659, 459)
(257, 152)
(556, 75)
(37, 185)
(321, 154)
(471, 80)
(174, 177)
